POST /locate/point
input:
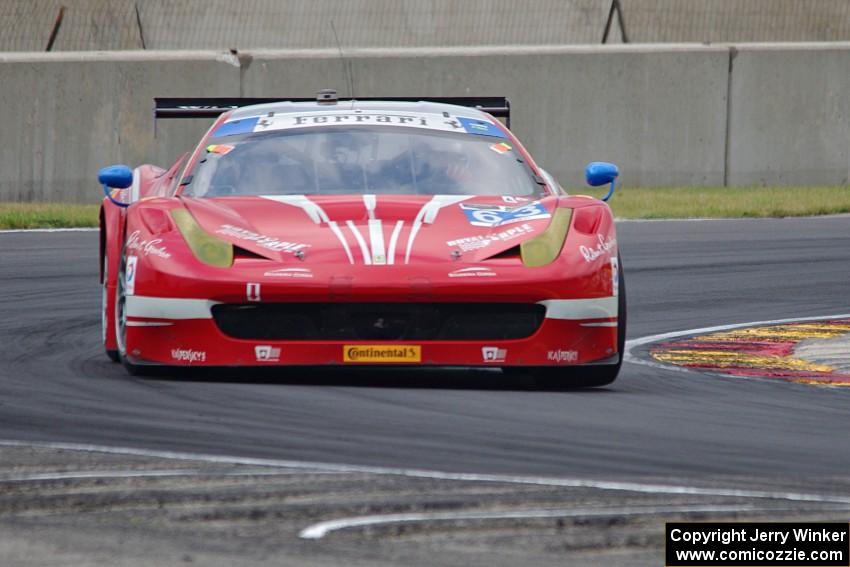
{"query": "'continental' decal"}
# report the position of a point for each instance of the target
(381, 353)
(769, 352)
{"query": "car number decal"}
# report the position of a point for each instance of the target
(499, 215)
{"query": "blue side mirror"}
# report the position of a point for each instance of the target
(599, 173)
(117, 176)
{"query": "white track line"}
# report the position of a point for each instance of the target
(82, 475)
(637, 487)
(631, 344)
(321, 529)
(19, 230)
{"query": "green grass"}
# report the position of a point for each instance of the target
(47, 215)
(627, 203)
(725, 202)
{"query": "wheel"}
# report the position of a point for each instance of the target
(104, 312)
(121, 317)
(559, 378)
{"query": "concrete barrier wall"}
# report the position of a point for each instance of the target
(660, 112)
(789, 116)
(64, 116)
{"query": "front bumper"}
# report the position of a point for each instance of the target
(173, 331)
(170, 318)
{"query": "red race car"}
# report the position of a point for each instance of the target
(360, 232)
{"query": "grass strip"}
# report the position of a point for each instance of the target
(47, 215)
(627, 203)
(725, 202)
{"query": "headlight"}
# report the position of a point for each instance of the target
(543, 249)
(206, 247)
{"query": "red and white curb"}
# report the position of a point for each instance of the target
(763, 352)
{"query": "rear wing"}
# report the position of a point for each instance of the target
(497, 106)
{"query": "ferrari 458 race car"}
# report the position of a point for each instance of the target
(360, 232)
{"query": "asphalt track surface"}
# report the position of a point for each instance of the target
(57, 385)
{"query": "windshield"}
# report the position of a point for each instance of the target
(360, 160)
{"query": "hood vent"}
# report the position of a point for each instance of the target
(513, 252)
(242, 253)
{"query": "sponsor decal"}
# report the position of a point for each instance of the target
(562, 356)
(493, 354)
(130, 275)
(498, 215)
(382, 353)
(188, 355)
(481, 127)
(502, 148)
(603, 247)
(268, 242)
(290, 273)
(147, 247)
(347, 117)
(252, 291)
(221, 149)
(473, 272)
(483, 240)
(267, 353)
(615, 275)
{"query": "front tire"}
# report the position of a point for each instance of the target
(121, 317)
(104, 316)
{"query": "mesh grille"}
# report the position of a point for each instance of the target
(379, 321)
